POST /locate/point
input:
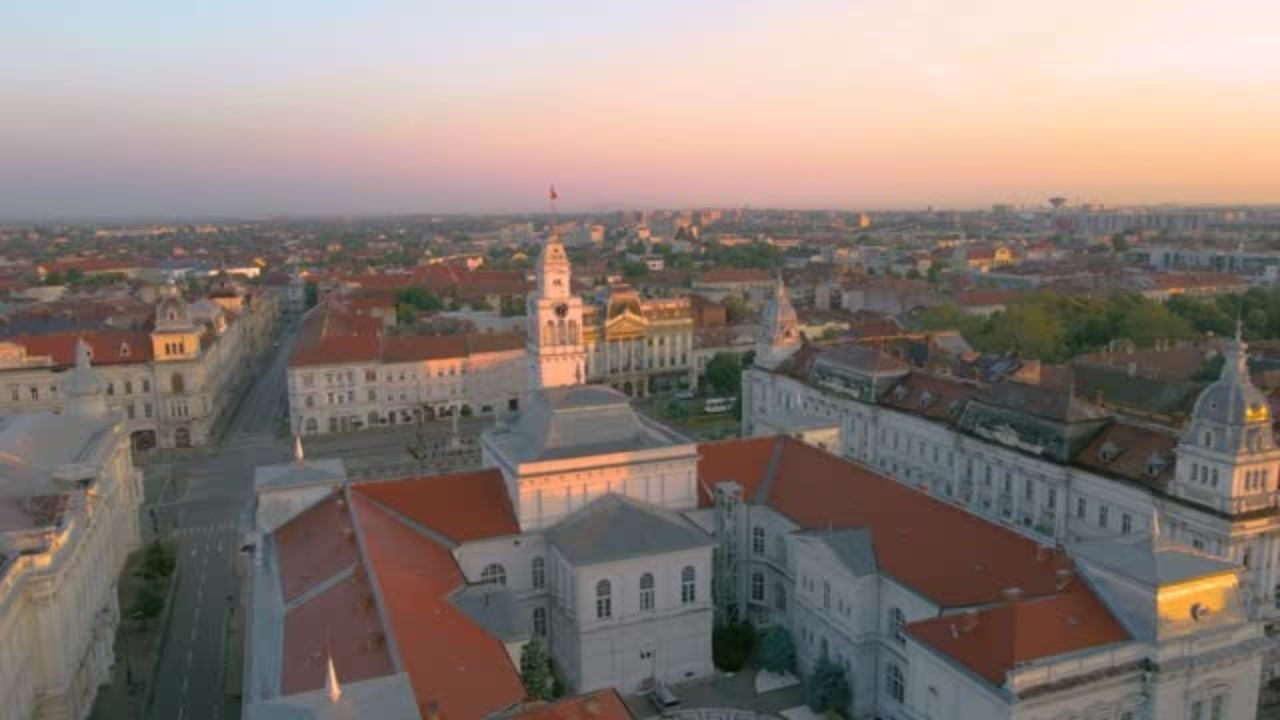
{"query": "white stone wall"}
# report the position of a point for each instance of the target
(671, 642)
(904, 446)
(58, 610)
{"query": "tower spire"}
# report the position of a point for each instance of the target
(331, 686)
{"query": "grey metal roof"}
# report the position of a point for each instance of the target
(493, 608)
(298, 474)
(852, 547)
(577, 421)
(387, 698)
(615, 528)
(33, 446)
(1152, 563)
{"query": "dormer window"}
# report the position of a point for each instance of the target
(1108, 451)
(124, 350)
(1155, 463)
(926, 398)
(173, 315)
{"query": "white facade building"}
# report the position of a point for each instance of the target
(69, 499)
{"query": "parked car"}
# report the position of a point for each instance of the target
(664, 701)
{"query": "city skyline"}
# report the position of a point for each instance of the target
(326, 110)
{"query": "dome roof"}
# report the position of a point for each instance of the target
(1232, 401)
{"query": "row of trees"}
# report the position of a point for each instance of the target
(1054, 328)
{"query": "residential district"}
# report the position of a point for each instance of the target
(718, 463)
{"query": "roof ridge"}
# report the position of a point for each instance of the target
(771, 470)
(430, 533)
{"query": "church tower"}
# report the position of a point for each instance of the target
(779, 331)
(555, 350)
(1228, 459)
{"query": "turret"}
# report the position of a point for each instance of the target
(779, 337)
(84, 388)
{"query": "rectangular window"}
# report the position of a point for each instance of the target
(1218, 707)
(1126, 523)
(1081, 508)
(1052, 501)
(1102, 516)
(1197, 710)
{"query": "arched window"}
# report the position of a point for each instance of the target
(826, 595)
(780, 548)
(549, 335)
(539, 572)
(757, 587)
(646, 591)
(688, 585)
(573, 331)
(897, 624)
(373, 418)
(312, 426)
(604, 600)
(894, 683)
(757, 540)
(177, 384)
(779, 596)
(540, 622)
(494, 573)
(1208, 438)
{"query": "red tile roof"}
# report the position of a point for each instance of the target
(949, 556)
(343, 622)
(994, 641)
(452, 662)
(342, 619)
(315, 546)
(735, 275)
(461, 506)
(742, 461)
(108, 347)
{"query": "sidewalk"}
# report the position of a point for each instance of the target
(137, 652)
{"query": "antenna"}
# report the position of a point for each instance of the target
(552, 196)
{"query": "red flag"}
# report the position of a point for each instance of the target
(553, 192)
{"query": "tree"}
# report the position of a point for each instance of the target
(54, 278)
(731, 645)
(724, 373)
(75, 276)
(777, 651)
(311, 294)
(419, 298)
(535, 670)
(827, 687)
(405, 314)
(633, 269)
(736, 309)
(1120, 243)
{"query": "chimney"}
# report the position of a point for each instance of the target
(969, 621)
(1012, 594)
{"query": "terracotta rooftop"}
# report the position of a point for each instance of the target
(452, 662)
(996, 640)
(329, 602)
(1139, 453)
(461, 506)
(108, 347)
(947, 555)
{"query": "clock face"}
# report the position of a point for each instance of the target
(562, 310)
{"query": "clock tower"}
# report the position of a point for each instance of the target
(556, 354)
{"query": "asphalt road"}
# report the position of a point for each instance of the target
(202, 501)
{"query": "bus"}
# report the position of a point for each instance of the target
(715, 405)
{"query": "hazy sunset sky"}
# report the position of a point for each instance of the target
(228, 107)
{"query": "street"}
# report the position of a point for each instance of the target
(201, 500)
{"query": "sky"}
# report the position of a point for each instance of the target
(322, 107)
